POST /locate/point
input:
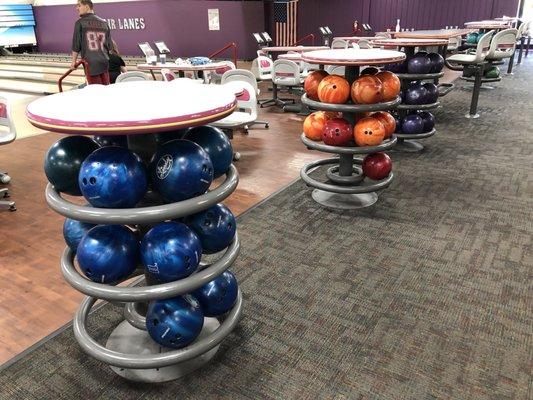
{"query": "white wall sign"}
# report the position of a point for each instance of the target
(213, 18)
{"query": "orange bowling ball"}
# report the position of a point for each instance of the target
(311, 83)
(391, 85)
(388, 121)
(369, 132)
(367, 89)
(314, 124)
(334, 89)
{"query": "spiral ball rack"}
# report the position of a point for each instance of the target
(129, 350)
(347, 187)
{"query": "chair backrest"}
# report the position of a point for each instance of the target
(383, 35)
(131, 76)
(483, 47)
(339, 44)
(7, 131)
(286, 73)
(364, 44)
(216, 75)
(246, 98)
(454, 43)
(522, 29)
(262, 67)
(503, 44)
(336, 70)
(167, 75)
(240, 75)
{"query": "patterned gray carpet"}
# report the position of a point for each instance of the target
(425, 295)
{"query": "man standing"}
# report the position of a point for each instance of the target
(92, 41)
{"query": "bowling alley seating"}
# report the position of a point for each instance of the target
(503, 46)
(522, 36)
(7, 135)
(339, 44)
(131, 76)
(365, 44)
(335, 70)
(454, 43)
(168, 75)
(477, 62)
(286, 76)
(216, 75)
(243, 75)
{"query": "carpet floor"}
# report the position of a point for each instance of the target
(425, 295)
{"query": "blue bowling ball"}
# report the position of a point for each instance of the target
(112, 140)
(108, 253)
(176, 322)
(162, 138)
(415, 94)
(420, 63)
(170, 251)
(428, 119)
(412, 124)
(215, 227)
(437, 62)
(216, 144)
(63, 160)
(113, 177)
(432, 95)
(73, 231)
(180, 170)
(218, 296)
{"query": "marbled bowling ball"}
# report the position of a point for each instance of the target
(176, 322)
(63, 161)
(216, 144)
(113, 177)
(419, 64)
(73, 232)
(428, 119)
(215, 227)
(367, 89)
(218, 296)
(437, 62)
(391, 85)
(180, 170)
(415, 94)
(112, 140)
(311, 83)
(388, 121)
(337, 132)
(108, 253)
(412, 124)
(170, 251)
(432, 95)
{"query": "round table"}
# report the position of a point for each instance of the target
(487, 25)
(354, 39)
(181, 67)
(409, 44)
(433, 34)
(284, 49)
(132, 107)
(353, 57)
(296, 57)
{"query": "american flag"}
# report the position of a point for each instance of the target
(285, 21)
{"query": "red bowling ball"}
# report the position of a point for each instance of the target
(337, 132)
(377, 166)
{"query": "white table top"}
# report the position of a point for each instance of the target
(487, 24)
(291, 56)
(284, 49)
(181, 67)
(409, 42)
(131, 108)
(353, 57)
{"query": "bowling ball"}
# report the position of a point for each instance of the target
(388, 121)
(437, 62)
(412, 124)
(73, 231)
(492, 73)
(420, 63)
(391, 85)
(415, 93)
(398, 121)
(175, 322)
(399, 68)
(367, 89)
(428, 119)
(113, 177)
(369, 71)
(369, 132)
(471, 38)
(432, 95)
(216, 144)
(180, 170)
(218, 296)
(108, 253)
(63, 160)
(377, 166)
(215, 227)
(311, 83)
(112, 140)
(337, 132)
(162, 138)
(314, 124)
(170, 251)
(334, 89)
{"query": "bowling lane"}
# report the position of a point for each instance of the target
(28, 87)
(40, 77)
(60, 70)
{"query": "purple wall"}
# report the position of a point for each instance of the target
(182, 24)
(382, 14)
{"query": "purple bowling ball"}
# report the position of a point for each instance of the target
(415, 94)
(437, 62)
(398, 68)
(398, 120)
(412, 125)
(428, 119)
(432, 93)
(419, 64)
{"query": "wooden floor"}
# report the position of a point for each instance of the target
(35, 300)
